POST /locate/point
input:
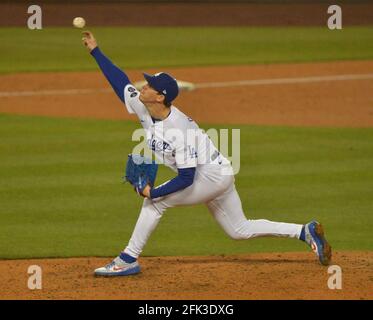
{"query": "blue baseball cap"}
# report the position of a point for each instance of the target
(164, 84)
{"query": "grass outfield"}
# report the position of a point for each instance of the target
(60, 49)
(61, 192)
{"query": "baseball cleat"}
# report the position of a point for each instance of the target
(118, 268)
(314, 235)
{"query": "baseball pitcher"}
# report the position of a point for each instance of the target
(202, 173)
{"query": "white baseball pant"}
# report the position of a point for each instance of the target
(219, 193)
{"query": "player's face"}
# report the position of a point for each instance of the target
(149, 95)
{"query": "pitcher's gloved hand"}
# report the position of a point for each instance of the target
(141, 173)
(145, 192)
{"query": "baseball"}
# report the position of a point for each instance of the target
(79, 22)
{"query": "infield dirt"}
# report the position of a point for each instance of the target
(327, 103)
(252, 276)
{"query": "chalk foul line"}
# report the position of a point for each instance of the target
(258, 82)
(344, 77)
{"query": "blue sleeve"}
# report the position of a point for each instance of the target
(183, 180)
(117, 78)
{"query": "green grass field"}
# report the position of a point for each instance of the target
(61, 191)
(60, 49)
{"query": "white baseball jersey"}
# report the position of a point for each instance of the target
(177, 141)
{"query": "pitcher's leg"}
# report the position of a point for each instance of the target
(204, 188)
(146, 223)
(227, 210)
(200, 191)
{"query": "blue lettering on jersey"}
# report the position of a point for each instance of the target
(157, 145)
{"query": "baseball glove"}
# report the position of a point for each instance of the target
(140, 171)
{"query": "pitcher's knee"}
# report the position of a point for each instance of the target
(241, 231)
(154, 206)
(236, 235)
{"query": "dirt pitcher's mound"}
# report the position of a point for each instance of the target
(251, 276)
